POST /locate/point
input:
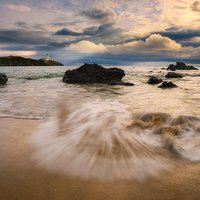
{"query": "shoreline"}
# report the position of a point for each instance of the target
(21, 179)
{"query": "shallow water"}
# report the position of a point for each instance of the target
(112, 132)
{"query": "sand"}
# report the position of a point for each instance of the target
(21, 179)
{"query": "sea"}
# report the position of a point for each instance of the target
(112, 132)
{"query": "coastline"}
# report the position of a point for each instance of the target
(20, 178)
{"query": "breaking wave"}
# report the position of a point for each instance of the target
(107, 141)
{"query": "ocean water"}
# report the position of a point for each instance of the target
(112, 132)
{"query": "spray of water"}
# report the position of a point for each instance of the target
(106, 141)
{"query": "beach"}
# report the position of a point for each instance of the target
(67, 141)
(21, 179)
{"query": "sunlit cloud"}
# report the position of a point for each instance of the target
(17, 53)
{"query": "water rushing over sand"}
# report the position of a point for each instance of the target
(107, 141)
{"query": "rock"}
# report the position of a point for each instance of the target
(121, 83)
(173, 75)
(166, 84)
(21, 61)
(3, 79)
(181, 66)
(171, 67)
(163, 68)
(154, 80)
(93, 73)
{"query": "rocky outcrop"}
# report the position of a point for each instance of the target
(166, 84)
(173, 75)
(3, 79)
(181, 66)
(93, 73)
(21, 61)
(154, 80)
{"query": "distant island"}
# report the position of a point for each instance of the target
(21, 61)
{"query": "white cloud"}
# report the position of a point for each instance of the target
(87, 47)
(19, 8)
(155, 43)
(17, 53)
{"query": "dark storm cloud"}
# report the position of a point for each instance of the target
(178, 35)
(102, 30)
(23, 37)
(67, 32)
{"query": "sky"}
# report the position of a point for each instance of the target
(101, 31)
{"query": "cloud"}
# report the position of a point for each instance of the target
(19, 8)
(196, 6)
(102, 30)
(153, 44)
(179, 35)
(154, 48)
(67, 32)
(87, 47)
(21, 24)
(96, 14)
(17, 53)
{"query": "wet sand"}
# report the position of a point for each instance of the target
(21, 179)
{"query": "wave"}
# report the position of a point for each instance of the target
(46, 76)
(107, 141)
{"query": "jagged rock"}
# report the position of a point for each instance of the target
(166, 84)
(154, 80)
(93, 73)
(3, 79)
(21, 61)
(181, 66)
(173, 75)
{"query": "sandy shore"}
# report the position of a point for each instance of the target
(21, 179)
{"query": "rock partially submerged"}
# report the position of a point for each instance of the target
(21, 61)
(166, 84)
(173, 75)
(94, 73)
(3, 79)
(154, 80)
(181, 66)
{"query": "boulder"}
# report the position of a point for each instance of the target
(171, 67)
(154, 80)
(94, 73)
(166, 84)
(173, 75)
(3, 79)
(181, 66)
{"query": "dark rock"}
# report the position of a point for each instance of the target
(93, 73)
(3, 79)
(181, 66)
(121, 83)
(21, 61)
(162, 68)
(173, 75)
(154, 80)
(166, 84)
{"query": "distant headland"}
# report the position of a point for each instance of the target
(21, 61)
